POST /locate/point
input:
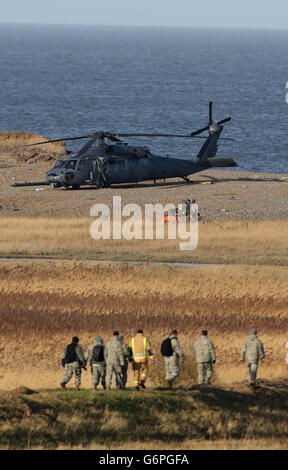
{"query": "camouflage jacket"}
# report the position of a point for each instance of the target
(113, 352)
(252, 349)
(88, 355)
(125, 350)
(178, 351)
(204, 350)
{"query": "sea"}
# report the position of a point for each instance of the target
(65, 81)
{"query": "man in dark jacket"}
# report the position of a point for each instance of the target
(73, 360)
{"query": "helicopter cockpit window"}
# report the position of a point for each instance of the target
(71, 164)
(59, 163)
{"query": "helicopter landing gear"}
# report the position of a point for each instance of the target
(187, 180)
(99, 184)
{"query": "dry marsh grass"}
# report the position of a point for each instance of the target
(219, 242)
(44, 304)
(182, 419)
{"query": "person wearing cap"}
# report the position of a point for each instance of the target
(205, 357)
(253, 351)
(95, 353)
(73, 360)
(172, 353)
(114, 358)
(141, 353)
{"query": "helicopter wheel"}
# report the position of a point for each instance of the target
(99, 185)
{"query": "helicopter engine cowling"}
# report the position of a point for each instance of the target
(140, 152)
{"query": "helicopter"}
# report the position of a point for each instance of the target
(106, 160)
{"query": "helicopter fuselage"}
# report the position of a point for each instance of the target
(103, 164)
(80, 171)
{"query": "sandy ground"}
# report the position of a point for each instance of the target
(220, 194)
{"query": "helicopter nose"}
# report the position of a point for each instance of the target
(54, 176)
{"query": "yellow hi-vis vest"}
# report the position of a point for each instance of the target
(140, 354)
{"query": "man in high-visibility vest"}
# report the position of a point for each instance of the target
(141, 352)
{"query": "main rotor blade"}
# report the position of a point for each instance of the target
(182, 136)
(51, 141)
(108, 135)
(159, 135)
(113, 138)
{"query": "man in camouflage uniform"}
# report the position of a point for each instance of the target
(124, 369)
(73, 359)
(205, 357)
(98, 367)
(253, 350)
(172, 362)
(114, 359)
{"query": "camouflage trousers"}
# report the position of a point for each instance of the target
(124, 375)
(205, 372)
(171, 368)
(252, 370)
(98, 372)
(113, 368)
(70, 369)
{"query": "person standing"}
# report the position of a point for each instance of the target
(124, 369)
(95, 353)
(205, 357)
(172, 352)
(141, 353)
(73, 360)
(114, 358)
(253, 351)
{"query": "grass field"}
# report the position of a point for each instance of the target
(191, 418)
(45, 303)
(219, 242)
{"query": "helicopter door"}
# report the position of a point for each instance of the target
(84, 168)
(121, 170)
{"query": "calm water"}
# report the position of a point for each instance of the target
(65, 81)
